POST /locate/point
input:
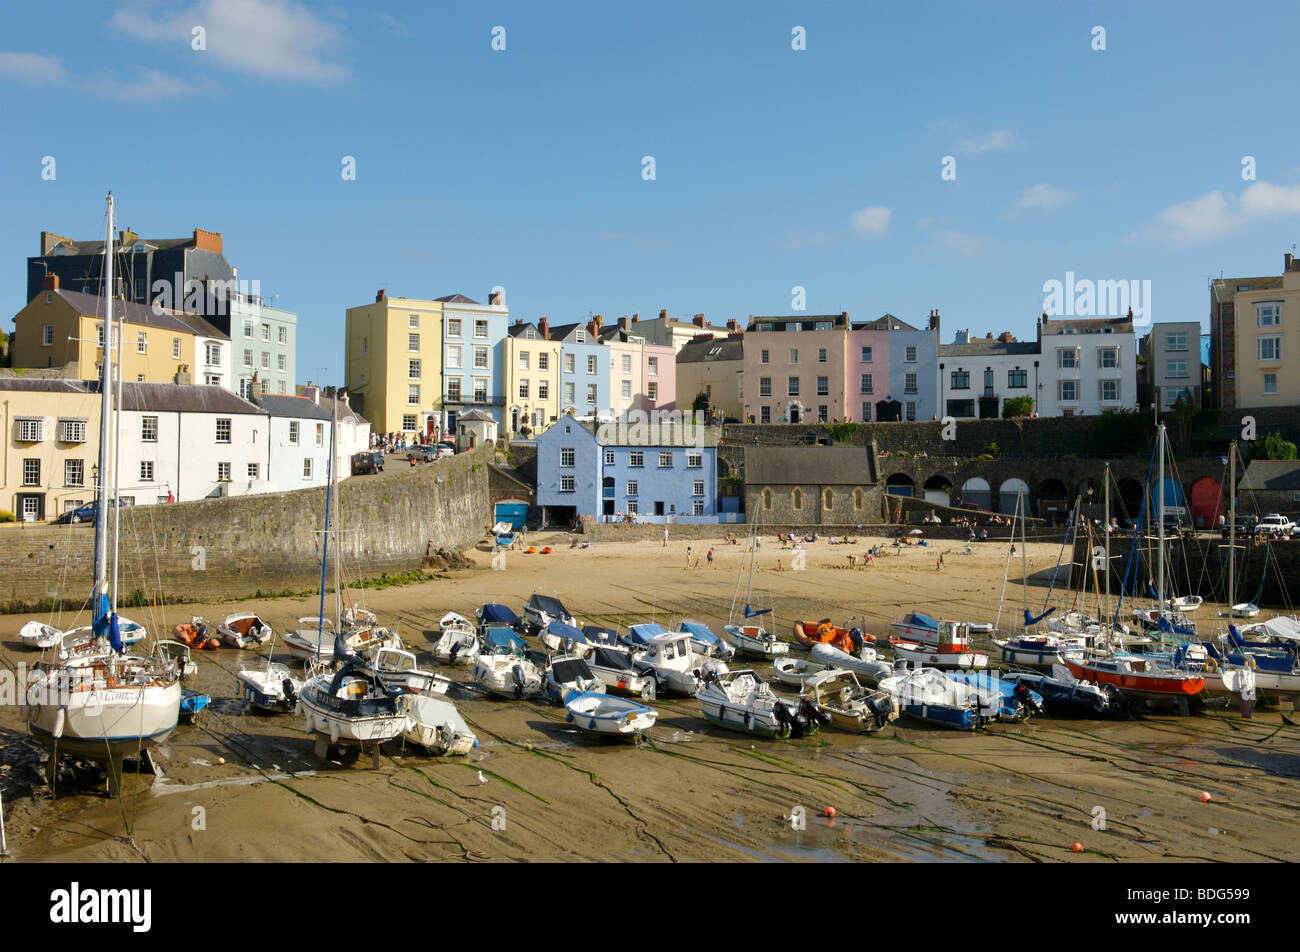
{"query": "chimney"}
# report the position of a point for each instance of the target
(207, 240)
(963, 337)
(255, 391)
(544, 327)
(1130, 313)
(663, 314)
(519, 322)
(934, 320)
(698, 320)
(312, 393)
(732, 325)
(988, 336)
(380, 295)
(625, 322)
(343, 395)
(600, 320)
(1007, 337)
(1288, 263)
(495, 299)
(636, 317)
(51, 283)
(593, 328)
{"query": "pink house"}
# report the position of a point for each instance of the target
(866, 362)
(659, 377)
(795, 369)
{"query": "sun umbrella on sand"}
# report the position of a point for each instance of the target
(917, 532)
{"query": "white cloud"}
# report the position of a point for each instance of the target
(1215, 215)
(808, 238)
(34, 68)
(140, 85)
(1046, 197)
(964, 243)
(277, 38)
(394, 24)
(997, 139)
(873, 220)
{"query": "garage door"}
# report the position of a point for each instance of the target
(515, 513)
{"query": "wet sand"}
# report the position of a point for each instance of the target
(1013, 792)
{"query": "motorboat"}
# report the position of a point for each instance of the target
(192, 702)
(1034, 650)
(742, 701)
(502, 666)
(1186, 603)
(617, 671)
(312, 639)
(434, 724)
(566, 674)
(244, 630)
(929, 695)
(948, 646)
(179, 653)
(558, 636)
(865, 663)
(605, 715)
(272, 689)
(1244, 610)
(1134, 675)
(457, 640)
(198, 634)
(599, 635)
(541, 610)
(851, 706)
(399, 667)
(792, 671)
(674, 663)
(39, 636)
(1018, 701)
(917, 627)
(705, 641)
(756, 641)
(496, 615)
(1063, 693)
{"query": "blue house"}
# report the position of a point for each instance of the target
(649, 471)
(913, 365)
(473, 357)
(584, 370)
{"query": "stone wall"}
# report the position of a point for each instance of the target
(876, 531)
(232, 548)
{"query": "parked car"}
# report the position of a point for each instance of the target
(367, 462)
(446, 449)
(1245, 525)
(976, 507)
(1274, 522)
(423, 452)
(84, 513)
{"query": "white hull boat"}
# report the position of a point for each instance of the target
(923, 655)
(349, 707)
(616, 671)
(39, 636)
(457, 644)
(604, 715)
(244, 630)
(398, 668)
(507, 676)
(868, 665)
(929, 695)
(273, 689)
(436, 725)
(851, 706)
(1186, 603)
(313, 639)
(792, 672)
(739, 700)
(1245, 610)
(675, 665)
(756, 641)
(569, 674)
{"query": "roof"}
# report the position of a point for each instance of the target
(456, 299)
(475, 416)
(989, 348)
(701, 351)
(654, 435)
(521, 330)
(285, 406)
(1086, 325)
(885, 322)
(1272, 474)
(807, 466)
(182, 397)
(502, 478)
(561, 331)
(806, 322)
(92, 305)
(97, 247)
(43, 385)
(344, 411)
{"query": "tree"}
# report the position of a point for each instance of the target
(1272, 446)
(1013, 407)
(701, 404)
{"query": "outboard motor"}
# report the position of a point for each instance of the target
(455, 649)
(859, 642)
(290, 695)
(1026, 699)
(817, 715)
(518, 674)
(880, 710)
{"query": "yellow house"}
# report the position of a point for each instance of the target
(51, 446)
(393, 364)
(59, 327)
(532, 366)
(1266, 332)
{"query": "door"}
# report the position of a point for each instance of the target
(31, 507)
(659, 508)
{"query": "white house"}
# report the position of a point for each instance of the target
(299, 442)
(212, 357)
(352, 431)
(1088, 365)
(977, 376)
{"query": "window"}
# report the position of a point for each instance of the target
(284, 335)
(910, 354)
(909, 383)
(30, 431)
(266, 361)
(652, 391)
(636, 458)
(697, 507)
(413, 343)
(609, 457)
(414, 322)
(146, 471)
(453, 389)
(480, 358)
(283, 388)
(568, 363)
(666, 459)
(453, 327)
(141, 343)
(281, 362)
(652, 366)
(1175, 368)
(1268, 314)
(828, 499)
(31, 472)
(569, 398)
(632, 487)
(1067, 358)
(821, 355)
(320, 434)
(480, 390)
(523, 389)
(72, 431)
(567, 484)
(523, 360)
(211, 353)
(763, 358)
(764, 386)
(453, 357)
(1018, 378)
(306, 468)
(591, 363)
(543, 390)
(796, 499)
(293, 432)
(961, 380)
(223, 472)
(47, 335)
(792, 387)
(1270, 383)
(580, 336)
(625, 390)
(266, 332)
(1175, 342)
(1269, 348)
(408, 422)
(481, 330)
(252, 471)
(248, 329)
(567, 455)
(865, 385)
(866, 355)
(365, 345)
(694, 459)
(823, 414)
(794, 355)
(74, 472)
(1108, 357)
(866, 413)
(591, 394)
(911, 409)
(543, 361)
(1067, 390)
(223, 429)
(149, 429)
(767, 499)
(1108, 390)
(248, 358)
(823, 386)
(101, 336)
(626, 362)
(413, 370)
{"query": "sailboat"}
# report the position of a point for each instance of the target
(95, 701)
(752, 638)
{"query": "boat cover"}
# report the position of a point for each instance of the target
(502, 640)
(596, 635)
(551, 606)
(495, 613)
(642, 634)
(921, 621)
(571, 671)
(565, 632)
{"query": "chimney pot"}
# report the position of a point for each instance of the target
(731, 324)
(1288, 262)
(663, 314)
(636, 317)
(380, 295)
(699, 320)
(599, 319)
(519, 321)
(625, 322)
(51, 282)
(544, 327)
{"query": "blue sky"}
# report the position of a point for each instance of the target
(773, 167)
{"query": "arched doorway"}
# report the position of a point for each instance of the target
(938, 490)
(1130, 500)
(1207, 502)
(976, 490)
(900, 484)
(1008, 492)
(1053, 501)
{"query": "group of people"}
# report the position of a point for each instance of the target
(397, 442)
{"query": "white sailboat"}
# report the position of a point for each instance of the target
(751, 638)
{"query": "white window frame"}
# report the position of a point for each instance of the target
(568, 483)
(148, 424)
(1276, 341)
(228, 427)
(665, 459)
(31, 430)
(146, 471)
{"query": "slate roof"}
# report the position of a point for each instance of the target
(43, 385)
(1272, 475)
(456, 299)
(886, 322)
(1086, 325)
(701, 351)
(298, 407)
(474, 415)
(807, 466)
(990, 348)
(92, 305)
(187, 398)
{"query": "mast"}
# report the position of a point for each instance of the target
(1106, 615)
(117, 427)
(1232, 524)
(1160, 536)
(105, 410)
(325, 551)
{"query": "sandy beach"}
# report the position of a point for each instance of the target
(1009, 793)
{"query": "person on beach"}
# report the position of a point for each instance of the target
(665, 537)
(688, 556)
(709, 556)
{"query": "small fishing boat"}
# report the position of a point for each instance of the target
(273, 689)
(1134, 675)
(949, 647)
(502, 667)
(756, 641)
(313, 638)
(918, 627)
(1063, 693)
(1018, 701)
(436, 725)
(673, 662)
(851, 706)
(244, 630)
(792, 671)
(743, 702)
(866, 663)
(704, 641)
(541, 610)
(457, 640)
(558, 636)
(1035, 651)
(39, 636)
(191, 703)
(809, 633)
(607, 716)
(1186, 603)
(566, 674)
(614, 666)
(928, 695)
(1244, 610)
(399, 667)
(197, 633)
(179, 654)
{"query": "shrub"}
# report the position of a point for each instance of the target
(7, 516)
(1013, 407)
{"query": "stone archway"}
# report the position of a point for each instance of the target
(976, 489)
(900, 484)
(938, 490)
(1008, 492)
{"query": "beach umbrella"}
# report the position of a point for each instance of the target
(916, 532)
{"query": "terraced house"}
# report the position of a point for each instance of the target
(393, 363)
(532, 369)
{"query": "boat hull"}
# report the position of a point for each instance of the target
(1138, 684)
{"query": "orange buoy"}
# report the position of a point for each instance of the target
(1205, 797)
(546, 550)
(830, 811)
(1077, 847)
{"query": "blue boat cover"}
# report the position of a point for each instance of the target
(500, 640)
(495, 613)
(565, 632)
(699, 631)
(921, 621)
(641, 634)
(597, 635)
